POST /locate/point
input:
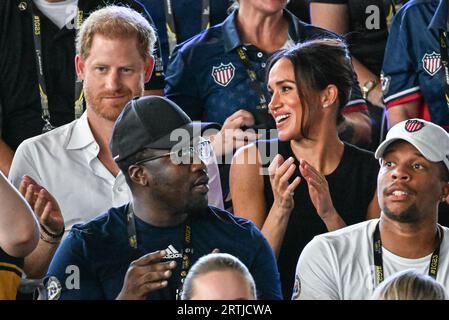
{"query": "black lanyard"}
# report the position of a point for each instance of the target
(445, 64)
(170, 21)
(187, 251)
(377, 249)
(37, 37)
(255, 83)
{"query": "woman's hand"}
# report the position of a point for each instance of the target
(318, 189)
(280, 173)
(320, 196)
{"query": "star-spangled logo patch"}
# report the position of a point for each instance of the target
(223, 74)
(431, 63)
(413, 125)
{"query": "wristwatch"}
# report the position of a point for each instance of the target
(367, 87)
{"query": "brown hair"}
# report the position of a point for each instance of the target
(115, 22)
(317, 64)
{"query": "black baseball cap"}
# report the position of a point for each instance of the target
(148, 122)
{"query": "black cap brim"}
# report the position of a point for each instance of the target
(183, 136)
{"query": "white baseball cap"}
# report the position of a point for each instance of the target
(430, 139)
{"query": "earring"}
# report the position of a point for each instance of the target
(325, 105)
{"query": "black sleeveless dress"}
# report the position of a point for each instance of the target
(352, 186)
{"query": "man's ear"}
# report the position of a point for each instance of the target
(149, 66)
(138, 175)
(79, 67)
(446, 192)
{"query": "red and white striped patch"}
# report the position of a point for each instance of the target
(223, 74)
(431, 63)
(413, 125)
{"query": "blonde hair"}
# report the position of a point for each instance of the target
(115, 22)
(216, 262)
(410, 285)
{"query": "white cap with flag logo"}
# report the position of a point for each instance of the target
(430, 139)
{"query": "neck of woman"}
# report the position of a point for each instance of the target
(323, 150)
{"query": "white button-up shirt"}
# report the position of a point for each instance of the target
(65, 162)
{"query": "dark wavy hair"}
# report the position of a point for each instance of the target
(318, 63)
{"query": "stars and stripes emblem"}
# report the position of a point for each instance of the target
(413, 125)
(223, 74)
(431, 63)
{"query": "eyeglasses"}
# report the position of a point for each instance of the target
(187, 155)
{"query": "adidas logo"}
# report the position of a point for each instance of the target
(172, 253)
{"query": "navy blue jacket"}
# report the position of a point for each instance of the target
(412, 66)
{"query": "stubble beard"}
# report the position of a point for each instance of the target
(109, 111)
(411, 214)
(197, 206)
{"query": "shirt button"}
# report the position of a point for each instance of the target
(259, 54)
(263, 64)
(120, 189)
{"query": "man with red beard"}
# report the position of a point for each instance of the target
(74, 162)
(38, 90)
(349, 263)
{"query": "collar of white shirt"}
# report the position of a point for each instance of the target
(81, 135)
